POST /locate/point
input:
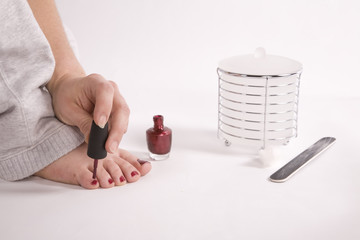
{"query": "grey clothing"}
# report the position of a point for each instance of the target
(31, 137)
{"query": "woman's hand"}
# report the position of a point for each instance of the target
(77, 100)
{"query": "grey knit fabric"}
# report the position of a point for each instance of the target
(30, 135)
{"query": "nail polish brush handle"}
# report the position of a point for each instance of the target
(97, 140)
(96, 147)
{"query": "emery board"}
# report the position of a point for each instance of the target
(302, 159)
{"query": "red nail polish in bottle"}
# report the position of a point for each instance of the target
(159, 139)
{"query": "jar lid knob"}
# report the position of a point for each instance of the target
(260, 52)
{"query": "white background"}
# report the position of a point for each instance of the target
(163, 55)
(177, 44)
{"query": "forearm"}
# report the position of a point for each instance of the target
(66, 63)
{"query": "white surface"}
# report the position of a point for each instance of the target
(206, 190)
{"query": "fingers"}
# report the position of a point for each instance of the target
(110, 107)
(83, 120)
(104, 97)
(118, 121)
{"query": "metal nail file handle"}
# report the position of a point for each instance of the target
(302, 159)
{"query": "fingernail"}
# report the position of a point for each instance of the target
(113, 147)
(94, 182)
(122, 179)
(134, 173)
(102, 121)
(110, 180)
(142, 161)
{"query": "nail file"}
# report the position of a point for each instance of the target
(302, 159)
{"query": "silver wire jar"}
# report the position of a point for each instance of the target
(258, 99)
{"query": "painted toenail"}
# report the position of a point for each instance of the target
(94, 182)
(134, 173)
(142, 161)
(110, 180)
(122, 179)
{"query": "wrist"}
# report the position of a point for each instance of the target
(63, 72)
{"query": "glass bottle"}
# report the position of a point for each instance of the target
(159, 139)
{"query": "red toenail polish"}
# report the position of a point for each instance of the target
(122, 179)
(110, 180)
(142, 161)
(134, 173)
(94, 182)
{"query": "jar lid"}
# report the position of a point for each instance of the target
(260, 64)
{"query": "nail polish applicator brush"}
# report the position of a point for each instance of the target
(96, 147)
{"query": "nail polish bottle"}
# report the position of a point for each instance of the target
(159, 139)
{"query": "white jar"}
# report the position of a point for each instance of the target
(258, 99)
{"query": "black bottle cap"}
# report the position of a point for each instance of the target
(97, 139)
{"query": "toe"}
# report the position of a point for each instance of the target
(115, 172)
(142, 166)
(104, 177)
(145, 167)
(85, 180)
(130, 172)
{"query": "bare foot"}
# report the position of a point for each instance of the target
(77, 168)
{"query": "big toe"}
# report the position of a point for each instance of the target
(85, 180)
